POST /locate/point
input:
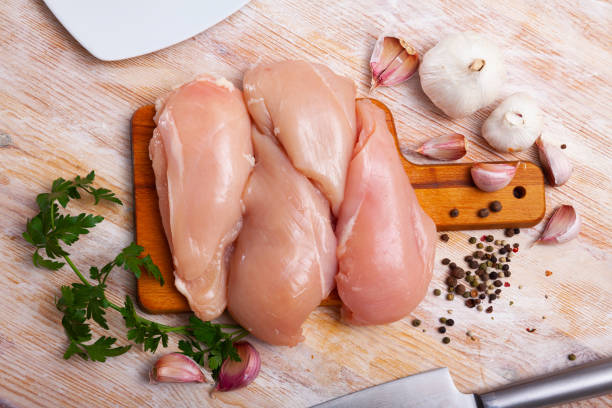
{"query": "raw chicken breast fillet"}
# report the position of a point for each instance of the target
(386, 242)
(202, 156)
(284, 261)
(311, 111)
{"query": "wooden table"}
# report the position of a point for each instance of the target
(65, 113)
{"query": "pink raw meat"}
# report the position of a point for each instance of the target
(386, 242)
(202, 156)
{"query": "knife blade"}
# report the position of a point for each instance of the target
(431, 389)
(435, 388)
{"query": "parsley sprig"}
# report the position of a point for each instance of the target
(85, 301)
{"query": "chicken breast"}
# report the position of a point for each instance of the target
(386, 242)
(311, 111)
(202, 156)
(284, 260)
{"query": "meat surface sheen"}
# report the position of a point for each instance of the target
(386, 242)
(284, 260)
(202, 156)
(311, 111)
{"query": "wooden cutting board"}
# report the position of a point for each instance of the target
(439, 188)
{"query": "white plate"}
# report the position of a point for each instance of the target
(118, 29)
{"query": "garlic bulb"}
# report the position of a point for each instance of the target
(515, 124)
(462, 73)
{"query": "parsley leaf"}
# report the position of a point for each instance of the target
(142, 331)
(130, 259)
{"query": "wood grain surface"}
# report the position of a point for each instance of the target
(62, 112)
(439, 188)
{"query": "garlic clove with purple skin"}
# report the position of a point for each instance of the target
(238, 374)
(492, 176)
(557, 167)
(447, 147)
(176, 368)
(563, 226)
(393, 61)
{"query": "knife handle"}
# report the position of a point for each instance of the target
(584, 381)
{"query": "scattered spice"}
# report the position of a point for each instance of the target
(480, 245)
(515, 250)
(442, 320)
(458, 273)
(489, 248)
(452, 265)
(437, 292)
(509, 232)
(489, 309)
(442, 329)
(479, 308)
(454, 213)
(516, 231)
(445, 261)
(495, 206)
(446, 340)
(416, 322)
(548, 273)
(483, 213)
(450, 296)
(472, 240)
(490, 238)
(450, 322)
(511, 302)
(444, 237)
(571, 357)
(460, 289)
(564, 146)
(530, 330)
(507, 284)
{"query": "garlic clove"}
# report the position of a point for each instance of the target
(515, 124)
(557, 167)
(176, 368)
(447, 147)
(238, 374)
(393, 61)
(492, 176)
(563, 225)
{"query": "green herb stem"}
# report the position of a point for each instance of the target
(76, 270)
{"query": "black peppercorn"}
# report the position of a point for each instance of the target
(477, 301)
(564, 146)
(492, 297)
(444, 237)
(450, 322)
(507, 274)
(445, 261)
(502, 250)
(454, 213)
(446, 340)
(470, 303)
(483, 213)
(498, 291)
(460, 289)
(468, 258)
(416, 322)
(481, 287)
(495, 206)
(493, 259)
(452, 265)
(489, 309)
(493, 275)
(450, 281)
(505, 267)
(509, 232)
(497, 283)
(442, 329)
(516, 231)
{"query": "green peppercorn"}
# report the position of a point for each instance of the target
(466, 295)
(571, 357)
(446, 340)
(490, 238)
(416, 322)
(489, 264)
(503, 242)
(502, 259)
(450, 296)
(437, 292)
(489, 248)
(472, 240)
(442, 320)
(480, 245)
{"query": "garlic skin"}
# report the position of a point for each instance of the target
(492, 176)
(557, 167)
(238, 374)
(176, 368)
(515, 124)
(447, 147)
(393, 61)
(464, 72)
(563, 225)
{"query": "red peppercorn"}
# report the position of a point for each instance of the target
(483, 238)
(507, 284)
(514, 249)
